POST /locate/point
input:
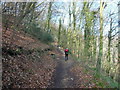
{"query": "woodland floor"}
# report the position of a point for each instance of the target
(30, 69)
(63, 78)
(70, 74)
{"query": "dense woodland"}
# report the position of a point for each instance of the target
(79, 26)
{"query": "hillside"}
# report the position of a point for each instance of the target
(60, 44)
(27, 63)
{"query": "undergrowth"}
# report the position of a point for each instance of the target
(34, 30)
(101, 80)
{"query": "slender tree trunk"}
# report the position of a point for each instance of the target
(70, 15)
(109, 41)
(49, 16)
(109, 46)
(119, 44)
(74, 16)
(98, 65)
(74, 26)
(59, 32)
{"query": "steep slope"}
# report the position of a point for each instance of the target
(27, 63)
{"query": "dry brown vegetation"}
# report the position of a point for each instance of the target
(28, 63)
(22, 66)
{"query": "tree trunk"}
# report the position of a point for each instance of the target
(98, 65)
(59, 32)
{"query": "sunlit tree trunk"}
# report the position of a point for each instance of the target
(74, 16)
(74, 26)
(87, 30)
(98, 65)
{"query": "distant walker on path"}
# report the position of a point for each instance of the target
(66, 53)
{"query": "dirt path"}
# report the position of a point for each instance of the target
(62, 77)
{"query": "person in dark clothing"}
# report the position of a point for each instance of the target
(66, 53)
